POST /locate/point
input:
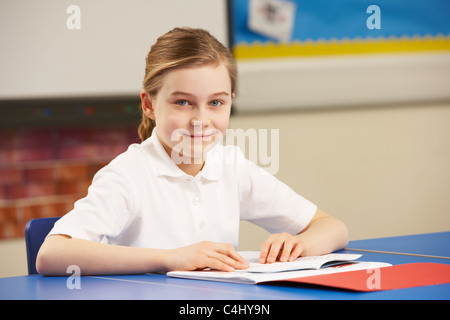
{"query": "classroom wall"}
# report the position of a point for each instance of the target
(382, 170)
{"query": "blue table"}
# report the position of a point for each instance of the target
(429, 244)
(161, 287)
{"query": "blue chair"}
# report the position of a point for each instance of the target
(35, 232)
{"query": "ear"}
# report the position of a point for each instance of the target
(147, 105)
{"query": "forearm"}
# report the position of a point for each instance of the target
(324, 235)
(59, 252)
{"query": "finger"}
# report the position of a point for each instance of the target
(235, 264)
(241, 262)
(270, 249)
(228, 250)
(296, 252)
(217, 264)
(228, 255)
(264, 251)
(287, 249)
(274, 251)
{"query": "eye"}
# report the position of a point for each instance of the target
(216, 103)
(182, 102)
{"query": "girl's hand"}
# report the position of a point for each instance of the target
(281, 247)
(206, 254)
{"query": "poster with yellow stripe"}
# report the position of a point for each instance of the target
(334, 27)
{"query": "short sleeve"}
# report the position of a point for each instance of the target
(270, 203)
(105, 211)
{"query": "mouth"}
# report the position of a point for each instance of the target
(199, 137)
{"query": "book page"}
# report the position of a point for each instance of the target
(302, 263)
(259, 277)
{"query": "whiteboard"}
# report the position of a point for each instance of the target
(41, 57)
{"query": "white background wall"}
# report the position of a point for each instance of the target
(41, 57)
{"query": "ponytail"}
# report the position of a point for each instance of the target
(146, 127)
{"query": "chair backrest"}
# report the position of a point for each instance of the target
(35, 232)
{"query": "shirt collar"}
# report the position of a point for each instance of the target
(165, 166)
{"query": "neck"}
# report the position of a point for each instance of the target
(191, 169)
(189, 165)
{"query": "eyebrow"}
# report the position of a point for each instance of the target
(181, 93)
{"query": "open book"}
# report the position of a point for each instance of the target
(302, 267)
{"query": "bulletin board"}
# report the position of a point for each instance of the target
(329, 27)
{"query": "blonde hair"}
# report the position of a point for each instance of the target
(182, 48)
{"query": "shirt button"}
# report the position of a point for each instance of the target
(196, 201)
(202, 225)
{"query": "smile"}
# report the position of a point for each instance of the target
(202, 137)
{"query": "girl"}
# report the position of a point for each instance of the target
(174, 201)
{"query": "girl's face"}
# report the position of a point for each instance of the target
(191, 110)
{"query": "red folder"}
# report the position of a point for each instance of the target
(386, 278)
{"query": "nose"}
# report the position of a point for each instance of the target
(200, 118)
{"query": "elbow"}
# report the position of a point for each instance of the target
(44, 262)
(41, 265)
(344, 235)
(48, 260)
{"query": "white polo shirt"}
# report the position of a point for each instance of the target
(143, 199)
